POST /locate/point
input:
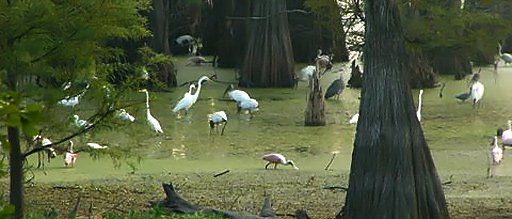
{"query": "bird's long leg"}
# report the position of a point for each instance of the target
(223, 127)
(275, 166)
(39, 155)
(266, 166)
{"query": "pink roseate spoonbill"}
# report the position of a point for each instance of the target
(216, 119)
(276, 159)
(70, 156)
(496, 154)
(506, 135)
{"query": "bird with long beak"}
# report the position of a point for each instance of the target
(276, 159)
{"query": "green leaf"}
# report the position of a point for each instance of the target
(7, 211)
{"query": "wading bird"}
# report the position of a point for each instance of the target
(496, 155)
(122, 114)
(188, 100)
(276, 159)
(477, 92)
(152, 121)
(506, 135)
(236, 95)
(248, 105)
(49, 152)
(507, 58)
(354, 119)
(80, 123)
(418, 112)
(70, 156)
(69, 101)
(96, 145)
(336, 88)
(216, 119)
(307, 72)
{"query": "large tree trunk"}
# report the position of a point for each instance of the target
(268, 59)
(392, 174)
(159, 25)
(16, 172)
(315, 110)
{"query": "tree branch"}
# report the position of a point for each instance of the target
(53, 49)
(266, 17)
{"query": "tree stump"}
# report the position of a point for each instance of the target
(315, 111)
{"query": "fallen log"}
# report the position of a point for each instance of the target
(175, 204)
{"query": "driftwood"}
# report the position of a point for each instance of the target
(175, 204)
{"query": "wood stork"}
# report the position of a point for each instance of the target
(188, 100)
(122, 114)
(152, 121)
(70, 156)
(248, 105)
(335, 89)
(496, 155)
(197, 60)
(49, 152)
(324, 61)
(307, 72)
(418, 111)
(477, 92)
(185, 40)
(80, 123)
(96, 145)
(276, 159)
(236, 95)
(72, 101)
(507, 58)
(216, 119)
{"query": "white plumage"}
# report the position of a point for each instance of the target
(236, 95)
(152, 121)
(188, 100)
(216, 119)
(122, 114)
(506, 136)
(191, 90)
(96, 145)
(507, 58)
(418, 112)
(496, 152)
(70, 101)
(354, 119)
(184, 40)
(477, 92)
(70, 156)
(80, 123)
(248, 105)
(307, 72)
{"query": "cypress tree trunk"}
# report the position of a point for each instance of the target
(268, 59)
(16, 172)
(421, 73)
(315, 110)
(392, 173)
(159, 25)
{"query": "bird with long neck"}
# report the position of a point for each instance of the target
(188, 100)
(505, 56)
(153, 122)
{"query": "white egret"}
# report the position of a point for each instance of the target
(216, 119)
(418, 112)
(80, 123)
(153, 122)
(188, 100)
(505, 56)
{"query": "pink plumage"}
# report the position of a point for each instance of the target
(276, 159)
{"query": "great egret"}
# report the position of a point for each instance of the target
(188, 100)
(418, 112)
(70, 156)
(249, 105)
(191, 89)
(122, 114)
(216, 119)
(152, 121)
(505, 56)
(276, 159)
(80, 123)
(236, 95)
(335, 89)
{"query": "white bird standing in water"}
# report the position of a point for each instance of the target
(418, 112)
(188, 100)
(153, 122)
(216, 119)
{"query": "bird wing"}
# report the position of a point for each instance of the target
(184, 103)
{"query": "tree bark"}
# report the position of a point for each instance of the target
(421, 74)
(159, 25)
(16, 172)
(392, 174)
(268, 59)
(315, 110)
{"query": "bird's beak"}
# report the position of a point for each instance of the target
(295, 167)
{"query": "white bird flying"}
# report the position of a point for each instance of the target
(122, 114)
(188, 100)
(418, 112)
(80, 123)
(153, 122)
(216, 119)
